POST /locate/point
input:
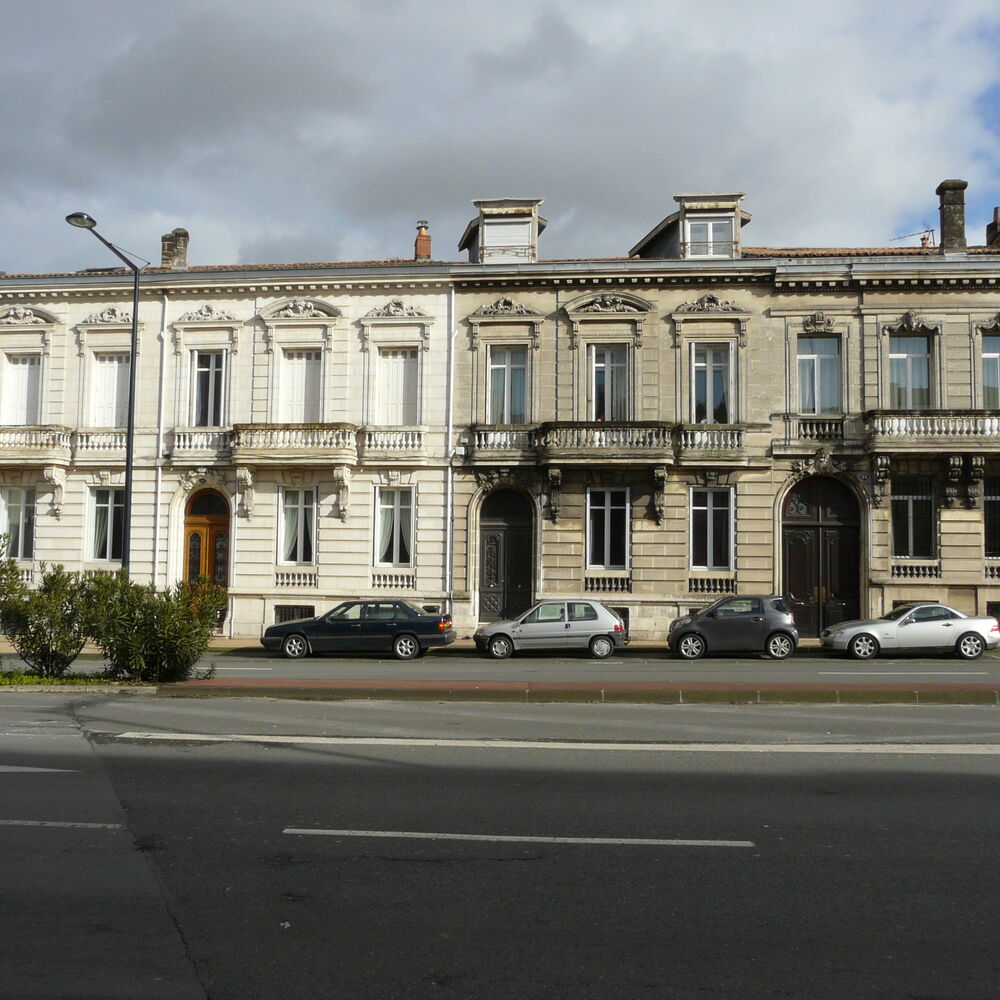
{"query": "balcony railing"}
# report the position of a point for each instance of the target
(278, 443)
(709, 440)
(34, 444)
(98, 442)
(199, 441)
(391, 442)
(932, 429)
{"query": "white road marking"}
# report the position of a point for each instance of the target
(903, 673)
(501, 839)
(71, 826)
(13, 769)
(974, 749)
(220, 669)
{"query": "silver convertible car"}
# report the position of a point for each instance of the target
(915, 628)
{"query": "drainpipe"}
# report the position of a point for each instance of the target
(449, 499)
(159, 444)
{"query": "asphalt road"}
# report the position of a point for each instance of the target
(390, 851)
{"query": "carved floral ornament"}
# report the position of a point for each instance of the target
(606, 306)
(818, 322)
(991, 328)
(112, 316)
(207, 313)
(505, 309)
(910, 322)
(396, 309)
(709, 305)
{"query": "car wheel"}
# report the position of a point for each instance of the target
(779, 645)
(500, 647)
(405, 647)
(863, 646)
(601, 647)
(691, 646)
(295, 646)
(970, 646)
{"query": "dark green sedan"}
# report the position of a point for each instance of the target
(400, 627)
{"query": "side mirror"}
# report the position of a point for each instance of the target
(712, 614)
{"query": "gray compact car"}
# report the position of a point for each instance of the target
(745, 624)
(572, 624)
(915, 628)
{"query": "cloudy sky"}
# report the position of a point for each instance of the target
(317, 130)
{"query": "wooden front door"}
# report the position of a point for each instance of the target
(506, 585)
(821, 554)
(206, 538)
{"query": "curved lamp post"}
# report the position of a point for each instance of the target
(83, 221)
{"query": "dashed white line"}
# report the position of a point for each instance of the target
(14, 769)
(56, 823)
(505, 839)
(973, 749)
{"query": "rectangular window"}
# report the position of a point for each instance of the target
(508, 385)
(109, 519)
(21, 384)
(610, 382)
(711, 529)
(399, 386)
(991, 516)
(110, 396)
(711, 384)
(17, 521)
(913, 517)
(909, 373)
(991, 373)
(394, 531)
(302, 386)
(710, 238)
(209, 395)
(819, 375)
(297, 526)
(607, 528)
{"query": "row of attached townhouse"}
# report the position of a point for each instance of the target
(698, 418)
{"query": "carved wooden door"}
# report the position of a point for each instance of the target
(506, 586)
(206, 539)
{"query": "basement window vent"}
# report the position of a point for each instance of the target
(290, 612)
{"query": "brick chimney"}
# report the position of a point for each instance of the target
(993, 230)
(174, 249)
(422, 244)
(952, 195)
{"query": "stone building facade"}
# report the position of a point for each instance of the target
(698, 418)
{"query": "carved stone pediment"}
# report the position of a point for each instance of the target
(710, 303)
(207, 313)
(300, 309)
(112, 316)
(990, 328)
(910, 322)
(818, 323)
(607, 303)
(22, 316)
(505, 306)
(396, 309)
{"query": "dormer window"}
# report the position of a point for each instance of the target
(709, 237)
(505, 231)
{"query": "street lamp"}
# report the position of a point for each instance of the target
(83, 221)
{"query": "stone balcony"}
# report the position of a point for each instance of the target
(31, 445)
(200, 444)
(610, 443)
(281, 444)
(932, 431)
(100, 445)
(392, 444)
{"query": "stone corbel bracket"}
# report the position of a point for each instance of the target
(553, 480)
(880, 473)
(342, 491)
(55, 476)
(659, 493)
(244, 486)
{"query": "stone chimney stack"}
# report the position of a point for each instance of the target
(174, 249)
(993, 230)
(422, 244)
(952, 195)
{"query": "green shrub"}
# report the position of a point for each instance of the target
(47, 626)
(149, 635)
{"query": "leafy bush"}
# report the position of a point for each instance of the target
(149, 635)
(46, 626)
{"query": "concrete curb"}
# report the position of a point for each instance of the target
(588, 693)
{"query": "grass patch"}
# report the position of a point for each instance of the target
(18, 678)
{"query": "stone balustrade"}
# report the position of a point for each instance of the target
(933, 428)
(203, 439)
(34, 444)
(392, 440)
(710, 437)
(279, 443)
(87, 442)
(297, 579)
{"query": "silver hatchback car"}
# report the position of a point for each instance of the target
(573, 624)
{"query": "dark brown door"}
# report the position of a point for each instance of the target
(206, 538)
(506, 586)
(821, 554)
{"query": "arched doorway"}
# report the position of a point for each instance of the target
(506, 584)
(206, 537)
(820, 532)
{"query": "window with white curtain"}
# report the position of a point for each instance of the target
(301, 390)
(394, 530)
(609, 373)
(17, 521)
(819, 375)
(508, 385)
(110, 396)
(21, 385)
(108, 513)
(208, 408)
(991, 373)
(909, 373)
(298, 526)
(399, 386)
